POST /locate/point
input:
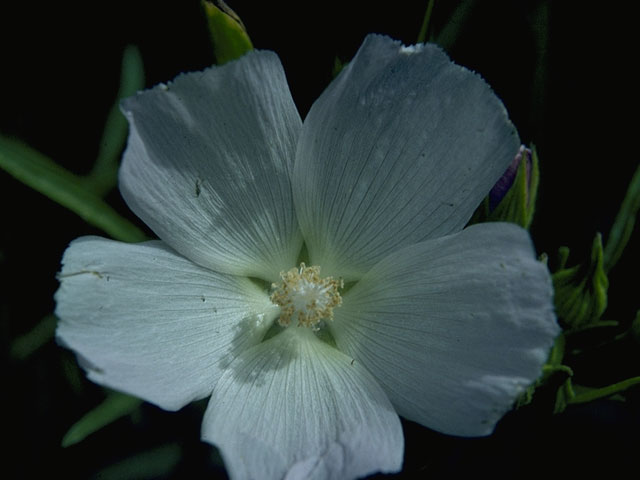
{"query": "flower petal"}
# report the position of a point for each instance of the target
(148, 322)
(454, 329)
(208, 166)
(296, 406)
(401, 147)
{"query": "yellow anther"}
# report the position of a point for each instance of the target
(302, 294)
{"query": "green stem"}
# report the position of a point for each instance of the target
(603, 392)
(424, 28)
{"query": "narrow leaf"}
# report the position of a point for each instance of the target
(115, 406)
(150, 464)
(635, 327)
(447, 37)
(623, 224)
(24, 346)
(44, 175)
(426, 21)
(104, 175)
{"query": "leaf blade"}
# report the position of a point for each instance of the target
(115, 406)
(47, 177)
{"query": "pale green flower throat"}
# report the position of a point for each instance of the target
(305, 296)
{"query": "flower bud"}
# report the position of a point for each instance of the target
(502, 186)
(513, 197)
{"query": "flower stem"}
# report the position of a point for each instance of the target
(603, 392)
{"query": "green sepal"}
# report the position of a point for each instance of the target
(47, 177)
(534, 183)
(228, 35)
(115, 406)
(581, 291)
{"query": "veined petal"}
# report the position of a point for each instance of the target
(401, 147)
(208, 166)
(455, 328)
(146, 321)
(294, 407)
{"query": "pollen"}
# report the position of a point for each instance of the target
(306, 297)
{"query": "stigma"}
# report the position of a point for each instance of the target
(304, 296)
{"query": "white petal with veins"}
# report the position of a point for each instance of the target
(455, 328)
(208, 163)
(146, 321)
(295, 406)
(398, 149)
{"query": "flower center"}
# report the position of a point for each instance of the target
(302, 294)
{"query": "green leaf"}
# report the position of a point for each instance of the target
(44, 175)
(150, 464)
(115, 406)
(581, 291)
(635, 327)
(104, 175)
(623, 224)
(228, 35)
(460, 17)
(24, 346)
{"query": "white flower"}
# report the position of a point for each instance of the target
(441, 325)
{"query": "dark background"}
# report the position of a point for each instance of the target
(564, 72)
